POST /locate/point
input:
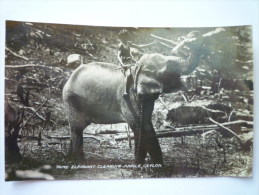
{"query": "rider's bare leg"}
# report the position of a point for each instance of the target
(127, 83)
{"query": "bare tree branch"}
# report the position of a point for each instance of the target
(163, 39)
(227, 129)
(34, 65)
(15, 54)
(162, 101)
(35, 112)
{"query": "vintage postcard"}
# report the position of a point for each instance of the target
(95, 102)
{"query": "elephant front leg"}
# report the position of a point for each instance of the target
(140, 148)
(149, 136)
(147, 142)
(137, 112)
(145, 137)
(153, 146)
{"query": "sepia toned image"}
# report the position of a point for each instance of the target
(94, 102)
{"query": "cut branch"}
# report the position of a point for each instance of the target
(15, 54)
(68, 137)
(241, 123)
(229, 131)
(166, 45)
(163, 39)
(34, 65)
(162, 101)
(216, 31)
(35, 112)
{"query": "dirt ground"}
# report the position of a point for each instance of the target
(183, 157)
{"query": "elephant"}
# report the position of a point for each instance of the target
(94, 94)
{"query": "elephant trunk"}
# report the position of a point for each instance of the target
(191, 62)
(193, 42)
(146, 140)
(140, 131)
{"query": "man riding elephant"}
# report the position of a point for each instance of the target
(126, 58)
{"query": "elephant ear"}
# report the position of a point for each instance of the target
(145, 76)
(148, 85)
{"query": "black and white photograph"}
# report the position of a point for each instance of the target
(96, 102)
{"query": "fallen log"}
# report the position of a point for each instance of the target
(125, 136)
(193, 130)
(120, 131)
(182, 131)
(167, 133)
(173, 132)
(68, 137)
(187, 128)
(109, 131)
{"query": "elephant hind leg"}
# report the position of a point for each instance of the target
(76, 143)
(77, 123)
